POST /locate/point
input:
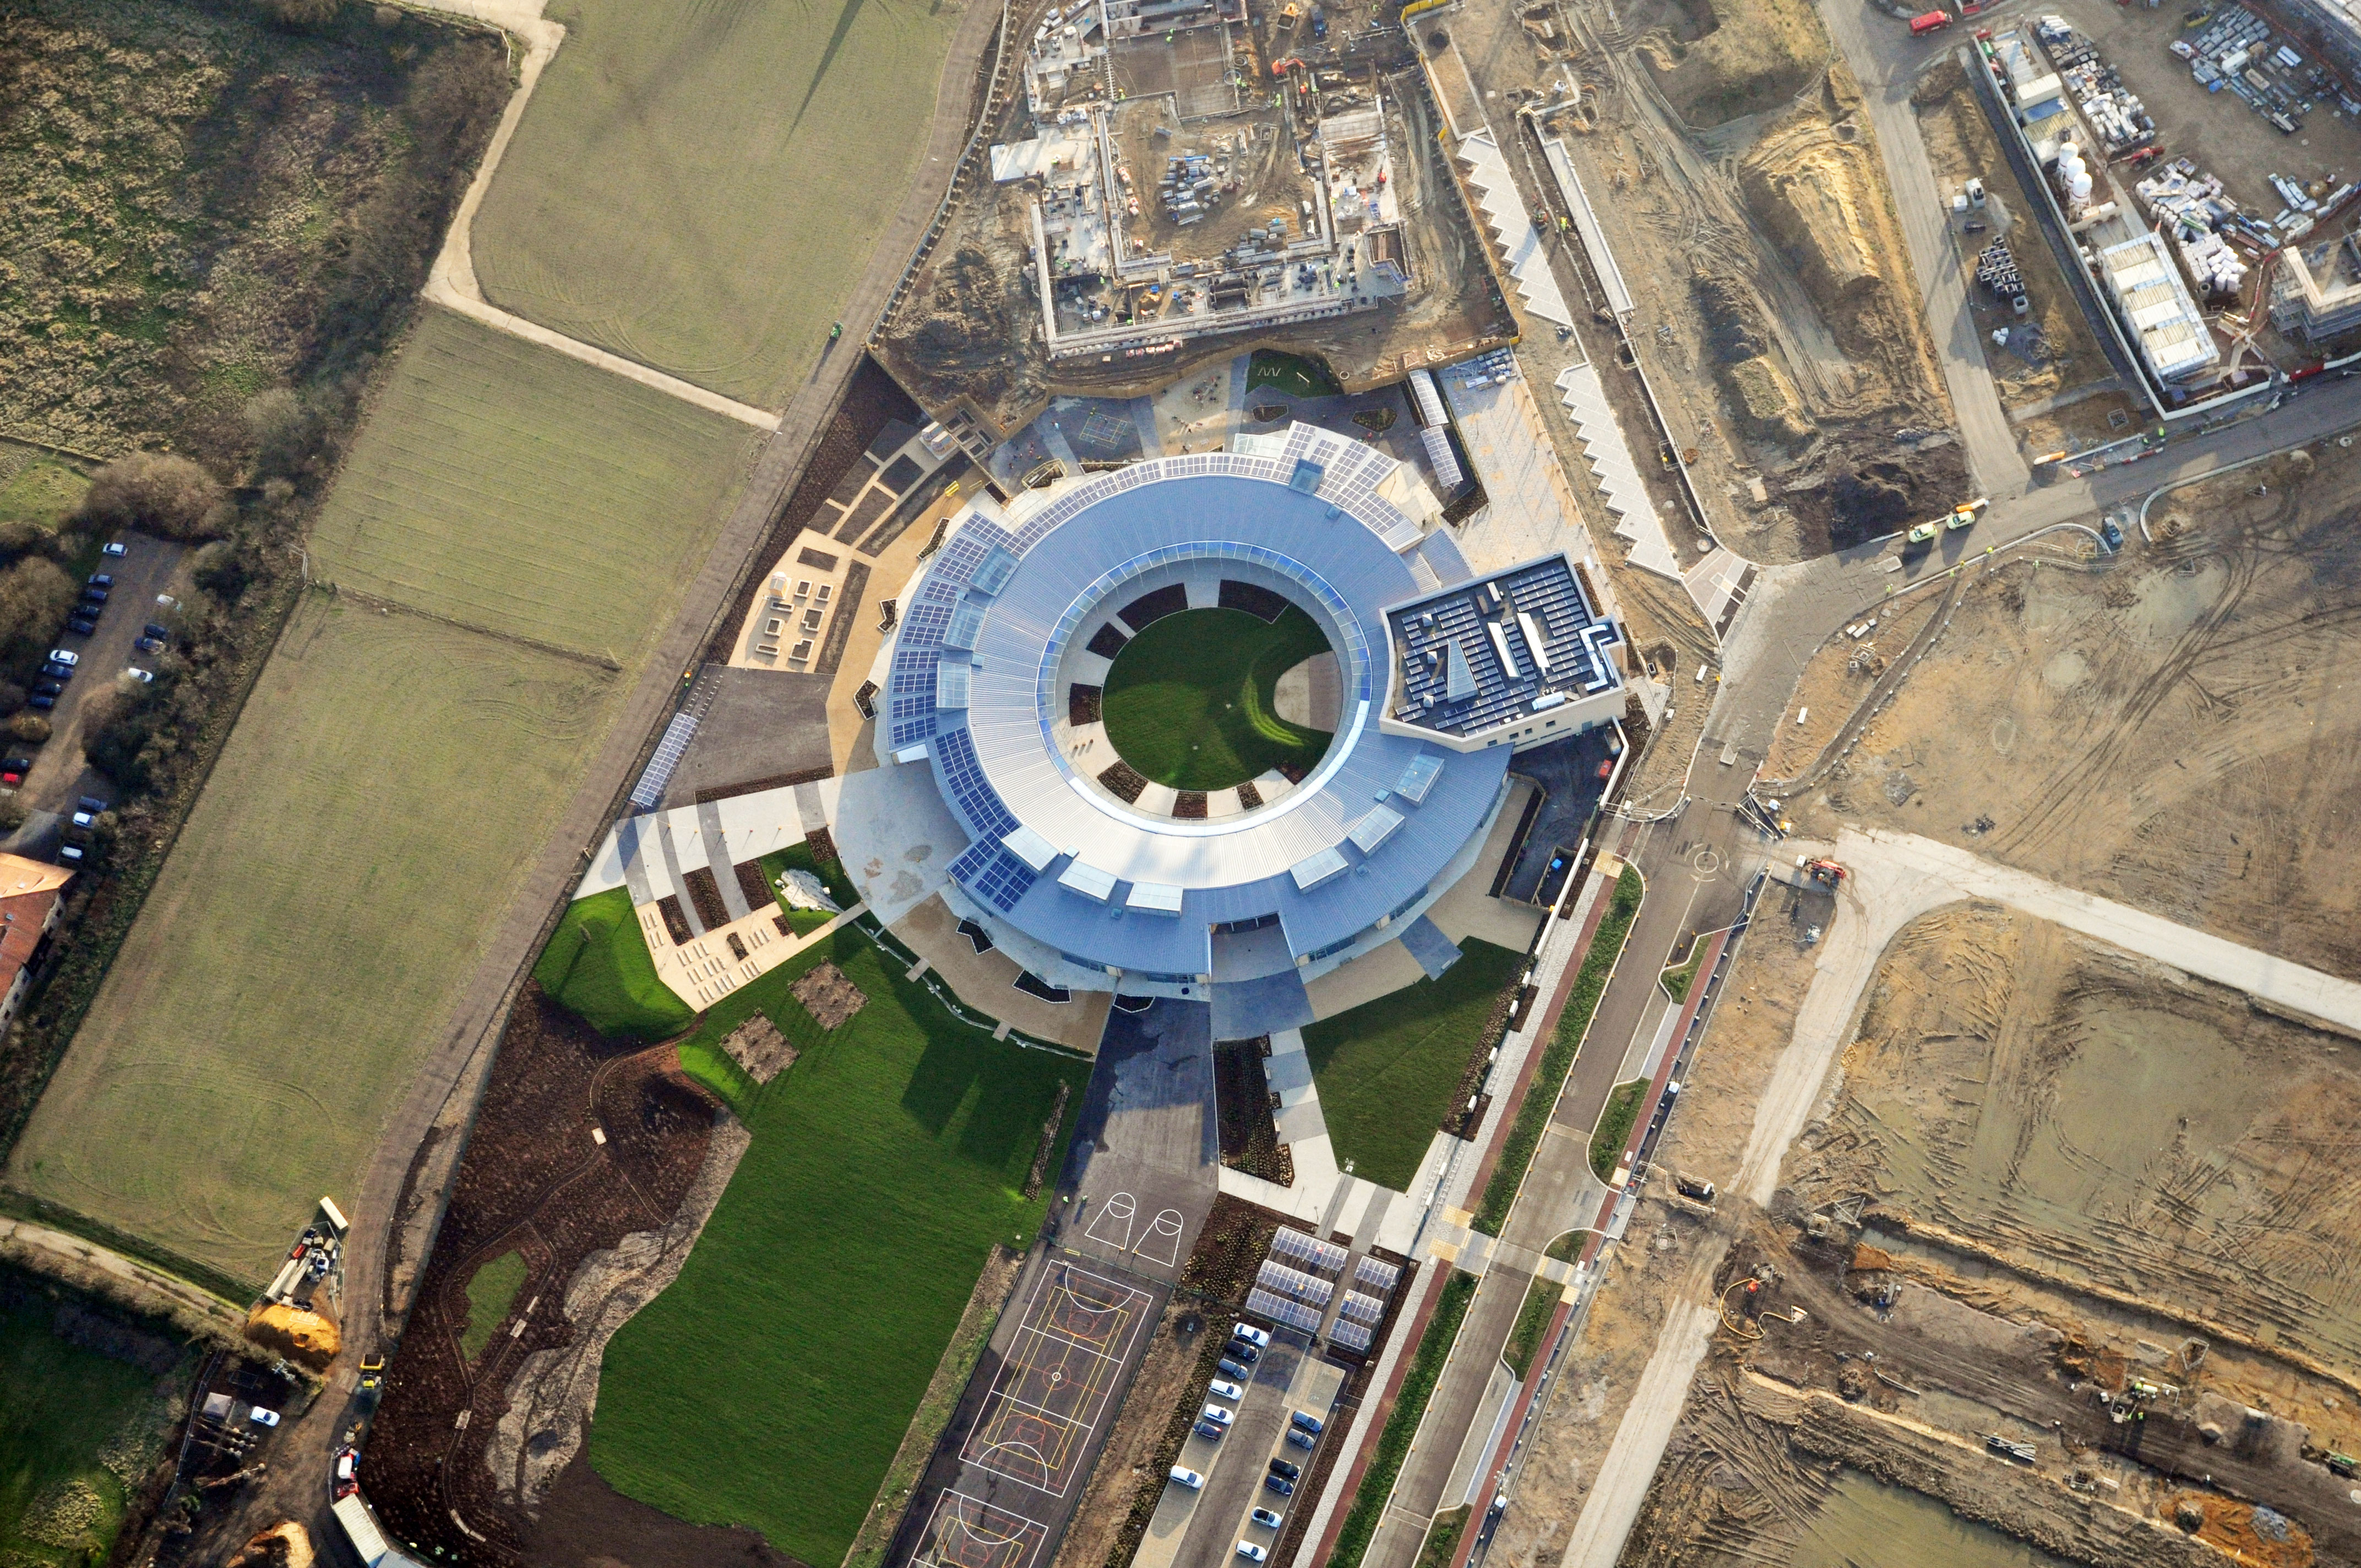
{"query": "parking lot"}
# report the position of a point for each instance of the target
(59, 775)
(1202, 1528)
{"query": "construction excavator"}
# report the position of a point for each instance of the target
(1827, 873)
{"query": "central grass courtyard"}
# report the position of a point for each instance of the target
(770, 1386)
(1386, 1070)
(1189, 701)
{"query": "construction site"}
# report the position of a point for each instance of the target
(1185, 192)
(1765, 290)
(2057, 1268)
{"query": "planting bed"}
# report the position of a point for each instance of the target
(534, 1184)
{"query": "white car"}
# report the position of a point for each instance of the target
(65, 656)
(1251, 1552)
(1188, 1478)
(116, 547)
(144, 677)
(1230, 1391)
(1219, 1414)
(262, 1417)
(1251, 1334)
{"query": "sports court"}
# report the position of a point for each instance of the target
(1057, 1383)
(968, 1532)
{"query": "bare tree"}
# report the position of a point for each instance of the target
(158, 493)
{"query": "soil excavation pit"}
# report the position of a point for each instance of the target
(829, 996)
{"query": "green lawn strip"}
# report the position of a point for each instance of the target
(1443, 1536)
(1393, 1443)
(800, 856)
(1189, 702)
(772, 1383)
(1678, 979)
(1557, 1056)
(1614, 1127)
(1289, 373)
(1533, 1321)
(597, 966)
(41, 493)
(491, 1291)
(1385, 1070)
(75, 1428)
(1565, 1248)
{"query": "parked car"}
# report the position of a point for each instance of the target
(1299, 1438)
(149, 645)
(57, 672)
(94, 596)
(84, 819)
(144, 677)
(71, 853)
(43, 700)
(13, 771)
(48, 688)
(1309, 1423)
(262, 1417)
(1265, 1517)
(1251, 1552)
(1280, 1484)
(348, 1459)
(1231, 1391)
(161, 633)
(168, 601)
(82, 625)
(102, 580)
(1188, 1478)
(65, 656)
(1209, 1432)
(1240, 1350)
(1217, 1414)
(91, 804)
(1233, 1367)
(116, 547)
(1251, 1334)
(1281, 1467)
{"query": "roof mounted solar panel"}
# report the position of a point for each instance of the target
(1313, 870)
(1030, 847)
(1419, 777)
(1349, 1335)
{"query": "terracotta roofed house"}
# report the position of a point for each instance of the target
(31, 892)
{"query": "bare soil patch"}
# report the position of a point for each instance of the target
(2178, 727)
(829, 996)
(759, 1049)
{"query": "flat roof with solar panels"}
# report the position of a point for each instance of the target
(1514, 658)
(1093, 876)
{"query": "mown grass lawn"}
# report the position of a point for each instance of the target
(491, 1291)
(770, 1386)
(1614, 1129)
(1385, 1070)
(1189, 701)
(597, 966)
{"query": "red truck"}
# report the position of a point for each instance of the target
(1933, 21)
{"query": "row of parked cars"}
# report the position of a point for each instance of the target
(1303, 1429)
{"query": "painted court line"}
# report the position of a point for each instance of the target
(1049, 1399)
(975, 1534)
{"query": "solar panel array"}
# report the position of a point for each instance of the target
(1376, 1274)
(971, 791)
(658, 773)
(1276, 1275)
(1350, 1335)
(992, 874)
(1573, 640)
(910, 689)
(1363, 1309)
(1322, 1257)
(1279, 1309)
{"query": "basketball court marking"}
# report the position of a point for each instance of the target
(1057, 1382)
(968, 1532)
(1162, 1242)
(1115, 1215)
